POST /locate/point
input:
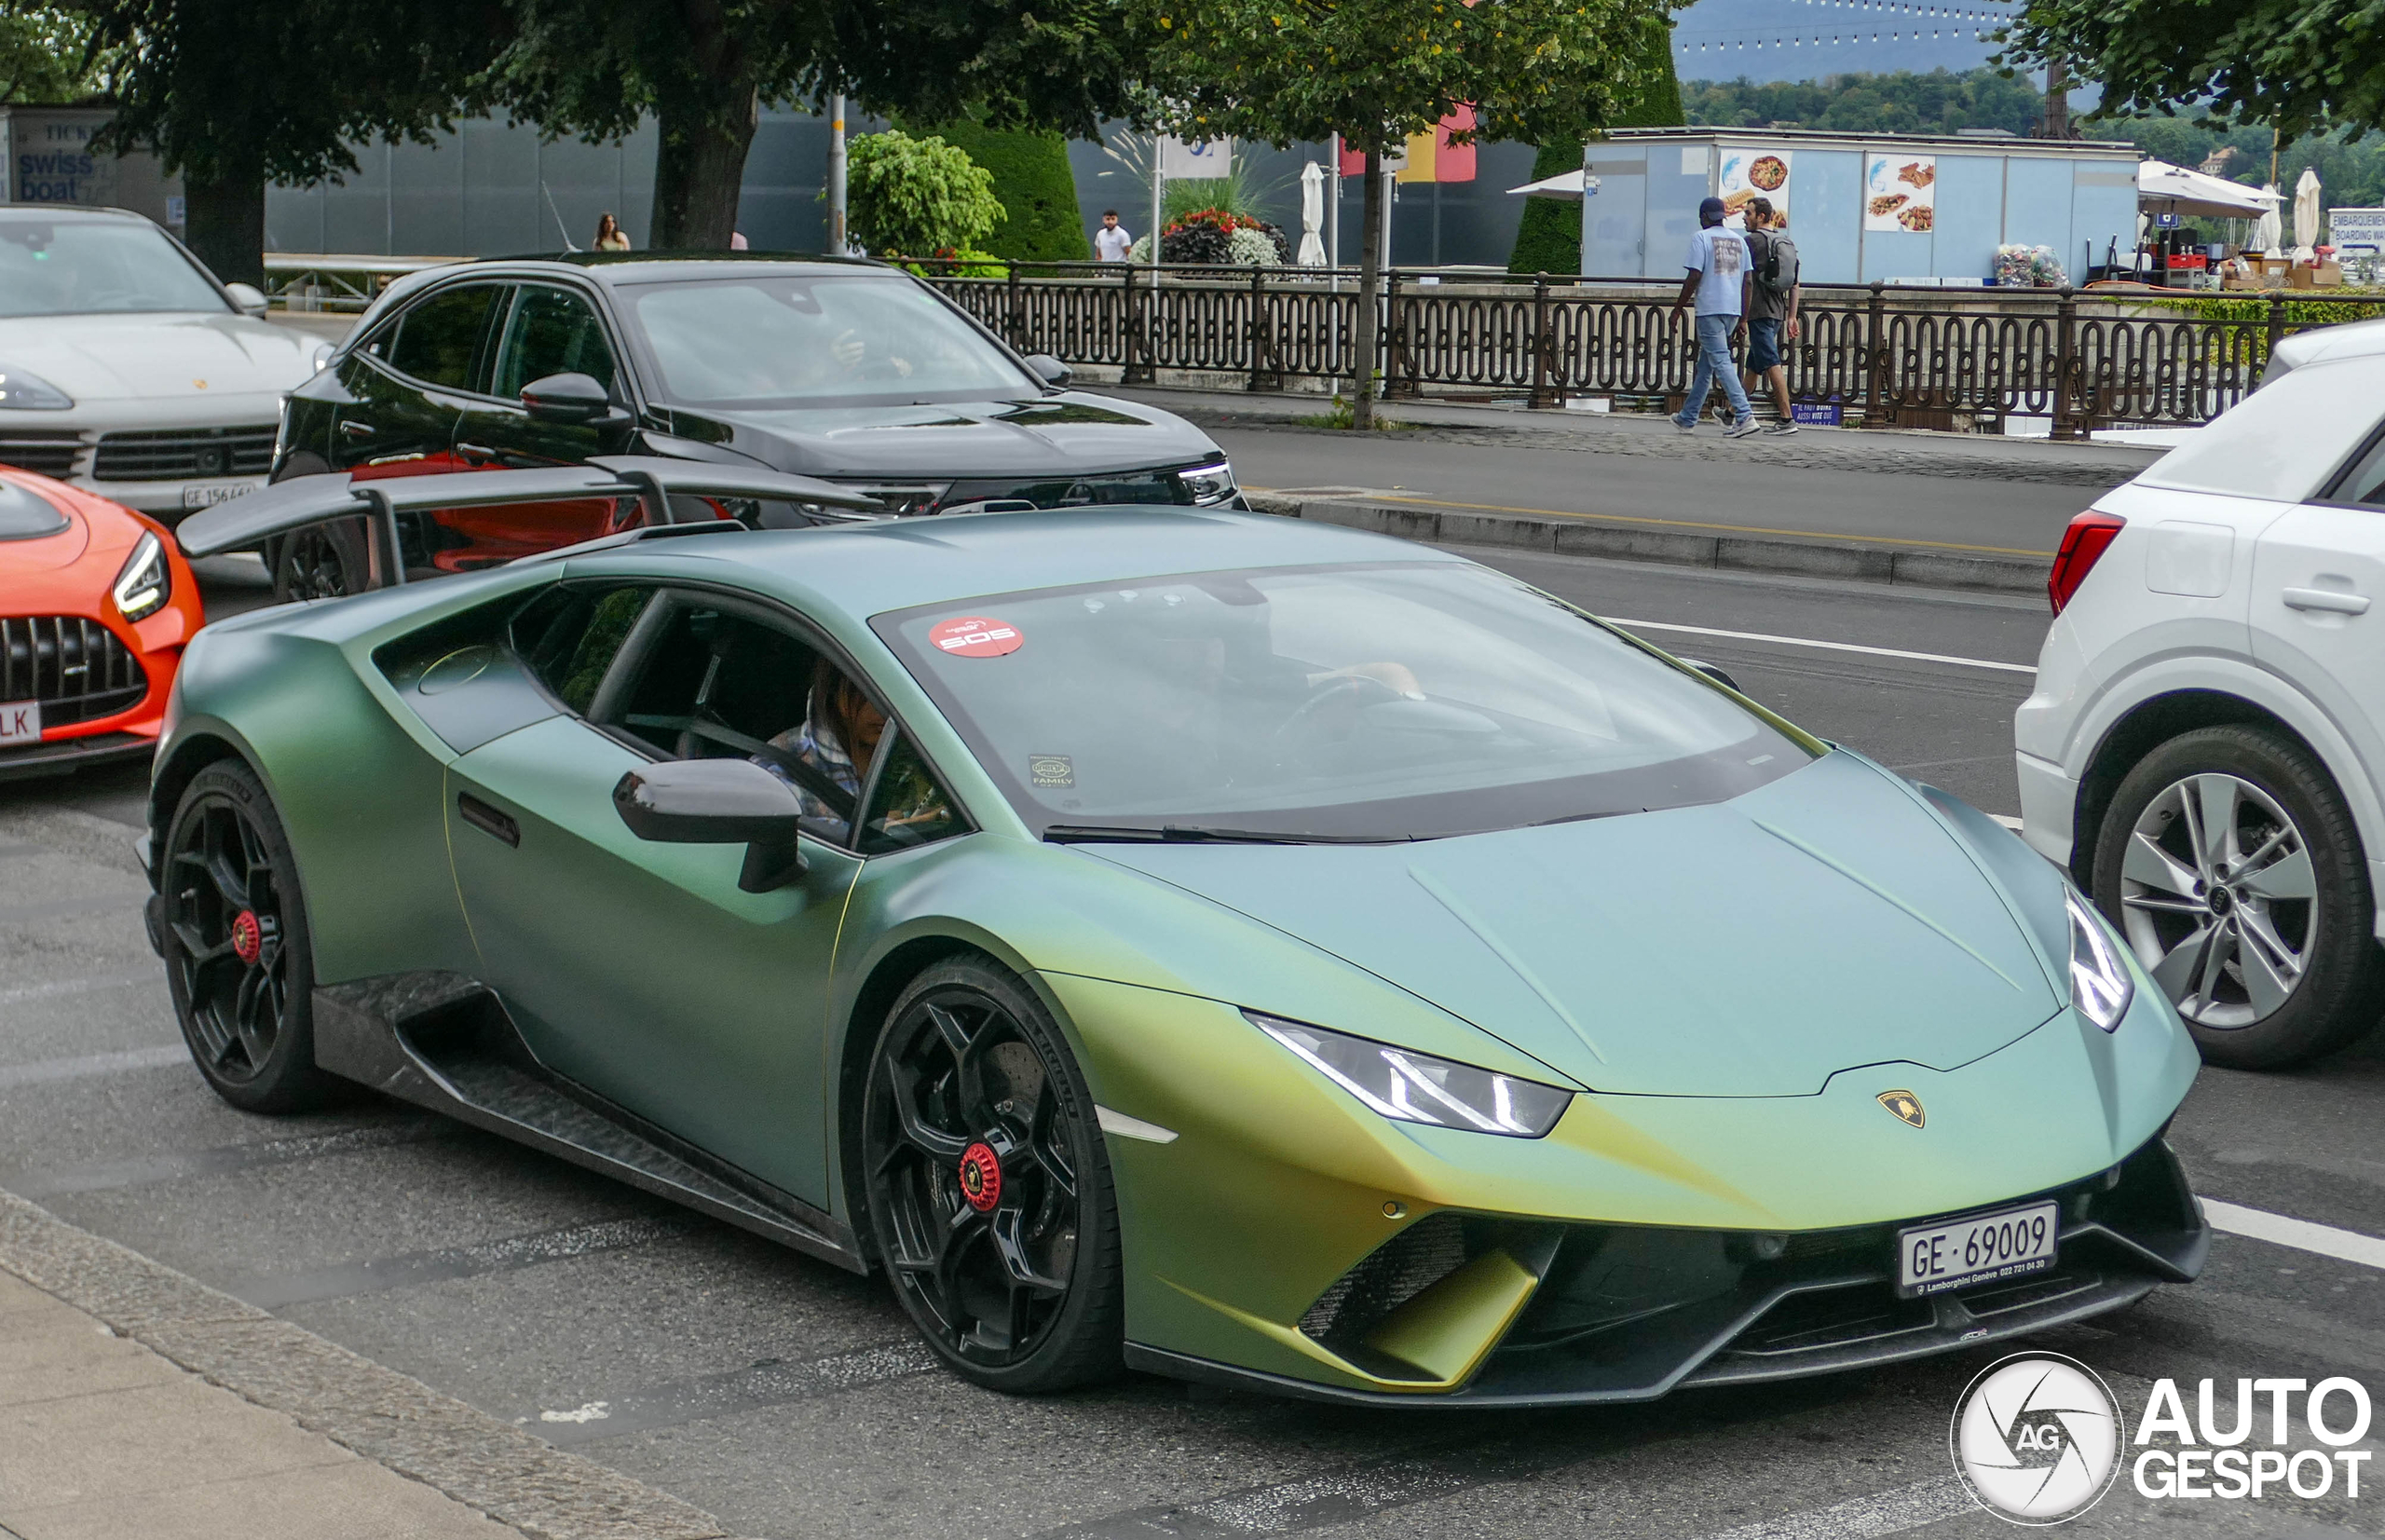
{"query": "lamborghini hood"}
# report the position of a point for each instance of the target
(1749, 948)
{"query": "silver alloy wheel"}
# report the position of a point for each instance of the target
(2218, 899)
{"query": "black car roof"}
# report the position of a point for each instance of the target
(614, 267)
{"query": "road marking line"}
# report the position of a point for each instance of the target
(2346, 1245)
(1860, 1518)
(76, 986)
(1695, 524)
(45, 1071)
(1830, 647)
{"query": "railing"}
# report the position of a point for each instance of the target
(1891, 356)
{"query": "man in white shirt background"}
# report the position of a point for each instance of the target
(1111, 242)
(1718, 280)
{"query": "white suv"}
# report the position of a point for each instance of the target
(2206, 744)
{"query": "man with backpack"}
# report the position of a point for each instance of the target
(1718, 282)
(1772, 305)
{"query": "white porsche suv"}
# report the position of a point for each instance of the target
(127, 371)
(2206, 742)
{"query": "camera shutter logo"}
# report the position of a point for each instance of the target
(2037, 1437)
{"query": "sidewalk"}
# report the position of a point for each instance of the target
(100, 1437)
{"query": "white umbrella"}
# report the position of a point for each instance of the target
(1566, 184)
(2178, 190)
(2267, 231)
(1312, 215)
(2306, 214)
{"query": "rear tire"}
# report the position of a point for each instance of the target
(2230, 862)
(323, 561)
(240, 963)
(988, 1185)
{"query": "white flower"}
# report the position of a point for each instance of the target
(1249, 248)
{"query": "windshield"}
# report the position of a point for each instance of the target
(817, 339)
(96, 267)
(1384, 701)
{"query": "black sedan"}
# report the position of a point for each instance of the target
(848, 372)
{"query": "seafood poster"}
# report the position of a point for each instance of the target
(1749, 175)
(1901, 193)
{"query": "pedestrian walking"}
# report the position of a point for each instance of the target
(1772, 305)
(611, 237)
(1718, 281)
(1111, 242)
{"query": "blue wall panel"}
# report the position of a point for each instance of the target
(1615, 219)
(1825, 212)
(1971, 214)
(2036, 207)
(1673, 196)
(2103, 205)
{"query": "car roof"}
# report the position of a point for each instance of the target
(868, 569)
(629, 267)
(67, 213)
(2347, 339)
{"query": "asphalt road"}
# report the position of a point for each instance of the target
(787, 1396)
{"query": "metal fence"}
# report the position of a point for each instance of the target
(1889, 356)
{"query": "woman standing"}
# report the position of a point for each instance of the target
(611, 237)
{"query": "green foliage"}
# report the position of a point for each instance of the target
(1032, 182)
(1548, 239)
(918, 195)
(1902, 102)
(1376, 71)
(42, 53)
(962, 261)
(2303, 65)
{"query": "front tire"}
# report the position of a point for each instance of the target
(989, 1184)
(240, 963)
(2230, 862)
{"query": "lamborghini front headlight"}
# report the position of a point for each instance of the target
(2100, 985)
(1413, 1088)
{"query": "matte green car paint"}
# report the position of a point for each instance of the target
(1278, 1180)
(1842, 906)
(642, 970)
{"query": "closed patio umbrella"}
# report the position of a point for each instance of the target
(1312, 215)
(2306, 214)
(2266, 231)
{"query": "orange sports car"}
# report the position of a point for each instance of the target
(95, 607)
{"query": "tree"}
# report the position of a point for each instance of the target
(916, 196)
(45, 55)
(1376, 71)
(233, 94)
(703, 68)
(1032, 182)
(2297, 65)
(1548, 239)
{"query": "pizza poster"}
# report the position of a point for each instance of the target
(1901, 193)
(1750, 174)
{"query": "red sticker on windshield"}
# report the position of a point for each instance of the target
(976, 637)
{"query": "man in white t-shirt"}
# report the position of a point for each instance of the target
(1718, 279)
(1111, 242)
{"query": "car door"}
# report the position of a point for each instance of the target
(2318, 610)
(643, 970)
(410, 382)
(548, 329)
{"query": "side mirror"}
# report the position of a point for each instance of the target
(1707, 669)
(1051, 371)
(250, 299)
(577, 400)
(718, 802)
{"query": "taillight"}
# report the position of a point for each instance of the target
(2088, 535)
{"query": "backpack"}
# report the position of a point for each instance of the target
(1776, 269)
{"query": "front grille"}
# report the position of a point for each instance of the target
(76, 668)
(181, 453)
(45, 452)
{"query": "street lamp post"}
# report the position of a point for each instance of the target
(838, 236)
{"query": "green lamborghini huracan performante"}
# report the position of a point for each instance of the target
(1194, 942)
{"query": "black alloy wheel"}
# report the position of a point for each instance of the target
(237, 960)
(320, 561)
(988, 1186)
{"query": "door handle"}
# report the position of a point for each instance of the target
(478, 453)
(351, 428)
(486, 818)
(2331, 600)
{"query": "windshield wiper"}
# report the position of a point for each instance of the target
(1185, 834)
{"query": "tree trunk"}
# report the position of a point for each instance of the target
(697, 170)
(225, 225)
(1371, 253)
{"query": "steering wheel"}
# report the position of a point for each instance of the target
(1353, 688)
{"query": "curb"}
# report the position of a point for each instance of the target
(1821, 557)
(386, 1417)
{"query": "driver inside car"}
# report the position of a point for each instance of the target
(838, 737)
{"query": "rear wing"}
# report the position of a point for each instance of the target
(244, 522)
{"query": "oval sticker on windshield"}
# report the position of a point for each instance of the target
(976, 637)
